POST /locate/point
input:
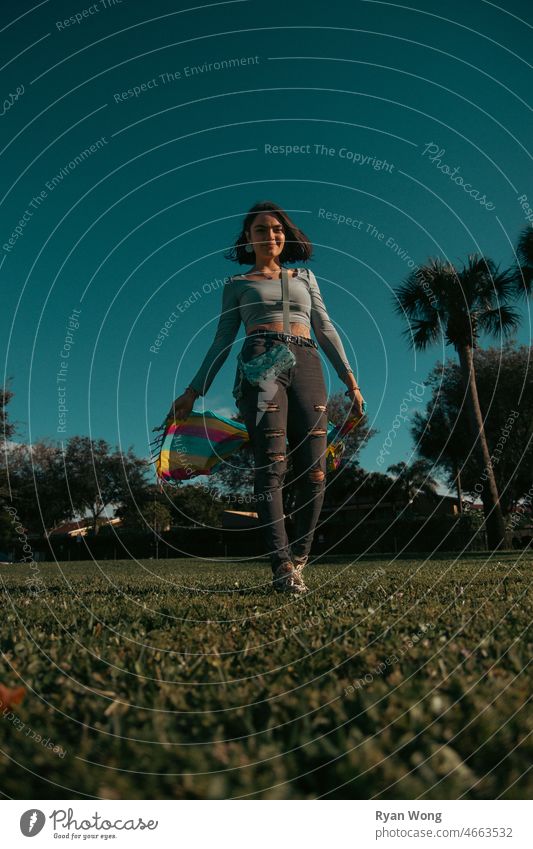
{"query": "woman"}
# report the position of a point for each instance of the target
(291, 406)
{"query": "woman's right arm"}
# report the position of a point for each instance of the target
(228, 326)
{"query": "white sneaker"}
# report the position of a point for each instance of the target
(286, 579)
(299, 563)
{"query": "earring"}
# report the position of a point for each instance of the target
(249, 249)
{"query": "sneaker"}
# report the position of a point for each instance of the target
(299, 563)
(285, 579)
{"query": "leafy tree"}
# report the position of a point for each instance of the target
(414, 479)
(194, 504)
(98, 478)
(7, 430)
(440, 435)
(151, 513)
(350, 481)
(42, 496)
(505, 388)
(343, 484)
(440, 301)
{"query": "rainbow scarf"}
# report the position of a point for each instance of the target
(201, 443)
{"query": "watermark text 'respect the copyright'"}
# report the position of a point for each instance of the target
(355, 157)
(61, 375)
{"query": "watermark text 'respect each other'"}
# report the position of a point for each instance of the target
(339, 604)
(389, 661)
(16, 721)
(181, 307)
(495, 457)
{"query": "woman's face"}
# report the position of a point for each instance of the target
(266, 237)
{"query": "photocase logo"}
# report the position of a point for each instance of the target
(32, 822)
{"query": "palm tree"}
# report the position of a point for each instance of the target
(440, 301)
(414, 479)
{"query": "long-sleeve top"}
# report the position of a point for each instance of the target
(260, 302)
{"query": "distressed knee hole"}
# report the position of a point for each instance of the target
(316, 475)
(274, 432)
(318, 432)
(321, 407)
(268, 405)
(275, 456)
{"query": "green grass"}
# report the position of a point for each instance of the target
(179, 679)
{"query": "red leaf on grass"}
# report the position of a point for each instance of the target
(10, 697)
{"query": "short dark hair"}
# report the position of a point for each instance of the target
(297, 245)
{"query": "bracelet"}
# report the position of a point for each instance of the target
(192, 389)
(353, 389)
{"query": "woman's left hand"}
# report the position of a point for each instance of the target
(358, 402)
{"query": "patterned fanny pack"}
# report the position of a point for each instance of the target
(276, 358)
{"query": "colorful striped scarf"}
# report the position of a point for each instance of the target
(201, 443)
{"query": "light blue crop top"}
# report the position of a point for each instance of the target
(259, 302)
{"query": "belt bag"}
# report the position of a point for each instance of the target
(276, 358)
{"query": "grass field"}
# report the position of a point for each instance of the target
(179, 680)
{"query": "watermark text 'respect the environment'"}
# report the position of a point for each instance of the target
(187, 71)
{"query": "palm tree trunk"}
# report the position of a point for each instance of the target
(489, 495)
(459, 487)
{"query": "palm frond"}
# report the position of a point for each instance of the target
(525, 246)
(502, 319)
(398, 469)
(422, 333)
(473, 276)
(419, 297)
(523, 281)
(503, 283)
(494, 286)
(411, 300)
(524, 272)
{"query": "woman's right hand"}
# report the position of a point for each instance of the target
(182, 406)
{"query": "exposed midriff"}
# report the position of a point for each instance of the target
(297, 329)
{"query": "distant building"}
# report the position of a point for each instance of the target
(80, 527)
(239, 519)
(358, 506)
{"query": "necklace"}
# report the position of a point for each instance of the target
(263, 274)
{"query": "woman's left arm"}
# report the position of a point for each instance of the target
(330, 342)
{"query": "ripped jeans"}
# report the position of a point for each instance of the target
(291, 406)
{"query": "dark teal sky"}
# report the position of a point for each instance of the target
(151, 187)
